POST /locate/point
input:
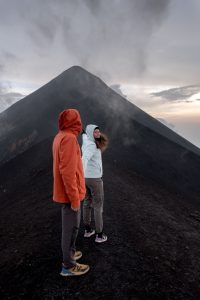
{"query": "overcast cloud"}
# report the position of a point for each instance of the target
(110, 38)
(137, 42)
(153, 41)
(7, 97)
(181, 94)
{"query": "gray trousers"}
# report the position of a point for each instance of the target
(94, 199)
(70, 227)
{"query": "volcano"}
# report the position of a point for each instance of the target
(138, 141)
(152, 188)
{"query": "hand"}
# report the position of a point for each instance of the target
(75, 209)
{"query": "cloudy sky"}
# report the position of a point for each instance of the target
(148, 50)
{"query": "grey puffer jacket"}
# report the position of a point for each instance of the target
(91, 155)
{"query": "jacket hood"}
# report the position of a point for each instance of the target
(70, 119)
(90, 130)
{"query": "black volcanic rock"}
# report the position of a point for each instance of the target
(153, 243)
(137, 141)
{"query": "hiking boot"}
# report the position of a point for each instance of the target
(100, 238)
(77, 255)
(89, 233)
(77, 270)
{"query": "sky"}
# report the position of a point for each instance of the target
(147, 50)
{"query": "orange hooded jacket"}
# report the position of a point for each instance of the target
(69, 182)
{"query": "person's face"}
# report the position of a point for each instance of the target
(97, 133)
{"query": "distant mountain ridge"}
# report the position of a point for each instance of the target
(137, 140)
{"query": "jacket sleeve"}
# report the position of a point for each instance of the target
(68, 168)
(89, 151)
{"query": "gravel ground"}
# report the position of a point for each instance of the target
(153, 247)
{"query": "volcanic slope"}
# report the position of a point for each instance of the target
(153, 247)
(138, 141)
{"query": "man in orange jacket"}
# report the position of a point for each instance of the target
(69, 187)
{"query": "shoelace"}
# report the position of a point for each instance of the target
(77, 268)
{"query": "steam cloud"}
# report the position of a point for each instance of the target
(7, 97)
(99, 35)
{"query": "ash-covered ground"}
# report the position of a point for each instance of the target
(153, 247)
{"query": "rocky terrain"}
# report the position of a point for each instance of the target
(152, 200)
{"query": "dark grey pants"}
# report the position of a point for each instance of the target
(94, 199)
(70, 227)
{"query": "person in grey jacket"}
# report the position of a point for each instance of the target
(94, 143)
